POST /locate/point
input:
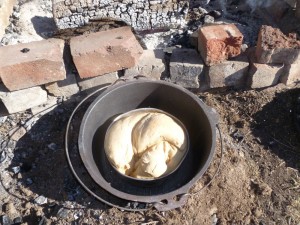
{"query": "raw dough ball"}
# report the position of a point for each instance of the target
(145, 144)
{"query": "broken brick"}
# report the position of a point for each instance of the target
(31, 64)
(291, 74)
(217, 43)
(275, 47)
(105, 51)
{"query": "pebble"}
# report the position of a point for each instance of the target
(3, 119)
(29, 181)
(18, 220)
(62, 213)
(5, 220)
(52, 146)
(214, 219)
(2, 156)
(16, 169)
(209, 19)
(216, 14)
(41, 200)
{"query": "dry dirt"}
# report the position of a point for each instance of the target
(258, 183)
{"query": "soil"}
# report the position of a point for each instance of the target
(258, 182)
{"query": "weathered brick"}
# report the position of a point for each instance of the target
(105, 51)
(31, 64)
(264, 75)
(217, 43)
(151, 64)
(291, 74)
(67, 87)
(6, 9)
(96, 82)
(21, 100)
(275, 47)
(185, 67)
(228, 73)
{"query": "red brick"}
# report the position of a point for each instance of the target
(105, 52)
(275, 47)
(217, 43)
(42, 64)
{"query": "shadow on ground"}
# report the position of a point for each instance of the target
(275, 127)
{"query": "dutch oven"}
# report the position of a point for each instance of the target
(198, 119)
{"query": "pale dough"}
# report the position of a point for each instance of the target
(145, 144)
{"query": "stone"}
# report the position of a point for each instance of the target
(5, 220)
(32, 64)
(217, 43)
(6, 9)
(151, 64)
(41, 200)
(93, 83)
(275, 47)
(67, 87)
(105, 51)
(228, 73)
(185, 67)
(10, 210)
(264, 75)
(291, 74)
(62, 213)
(21, 100)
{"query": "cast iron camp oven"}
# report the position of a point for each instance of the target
(198, 119)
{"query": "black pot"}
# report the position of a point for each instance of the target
(175, 100)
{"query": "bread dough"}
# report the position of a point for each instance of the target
(145, 144)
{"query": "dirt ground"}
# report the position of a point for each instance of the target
(258, 182)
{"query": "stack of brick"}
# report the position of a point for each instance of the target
(34, 71)
(277, 58)
(220, 48)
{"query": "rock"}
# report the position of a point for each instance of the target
(217, 43)
(275, 47)
(2, 156)
(52, 146)
(31, 64)
(185, 67)
(11, 211)
(264, 75)
(16, 169)
(18, 220)
(21, 100)
(67, 87)
(291, 74)
(29, 181)
(209, 19)
(3, 119)
(6, 9)
(228, 73)
(17, 133)
(93, 83)
(5, 220)
(105, 52)
(62, 213)
(151, 64)
(41, 200)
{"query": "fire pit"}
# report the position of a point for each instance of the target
(177, 101)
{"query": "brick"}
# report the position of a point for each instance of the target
(217, 43)
(228, 73)
(105, 51)
(97, 82)
(6, 9)
(186, 66)
(21, 100)
(67, 87)
(275, 47)
(31, 64)
(151, 64)
(46, 107)
(291, 74)
(264, 75)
